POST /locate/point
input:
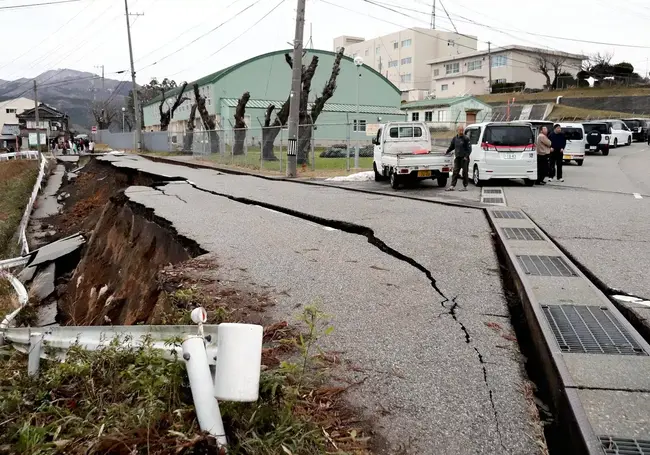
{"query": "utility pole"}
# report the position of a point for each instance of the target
(102, 67)
(136, 104)
(489, 67)
(38, 131)
(296, 89)
(433, 16)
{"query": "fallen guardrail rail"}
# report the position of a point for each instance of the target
(223, 361)
(13, 262)
(22, 299)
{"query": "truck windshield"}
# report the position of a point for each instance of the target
(572, 134)
(515, 135)
(599, 127)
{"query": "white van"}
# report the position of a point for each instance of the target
(502, 151)
(403, 154)
(621, 134)
(575, 142)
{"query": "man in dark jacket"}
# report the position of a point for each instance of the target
(461, 145)
(558, 144)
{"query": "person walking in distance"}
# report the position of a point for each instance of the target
(461, 146)
(543, 146)
(558, 144)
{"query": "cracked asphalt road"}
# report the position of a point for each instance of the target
(413, 289)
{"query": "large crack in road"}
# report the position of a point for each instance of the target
(369, 234)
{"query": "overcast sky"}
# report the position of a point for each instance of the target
(87, 33)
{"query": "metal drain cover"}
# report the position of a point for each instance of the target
(545, 266)
(622, 446)
(492, 191)
(589, 330)
(522, 234)
(493, 200)
(511, 214)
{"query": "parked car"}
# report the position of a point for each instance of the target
(537, 125)
(575, 142)
(403, 154)
(502, 151)
(597, 137)
(639, 128)
(621, 134)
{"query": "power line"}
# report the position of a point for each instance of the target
(38, 4)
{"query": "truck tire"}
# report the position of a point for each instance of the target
(378, 176)
(442, 180)
(580, 162)
(394, 180)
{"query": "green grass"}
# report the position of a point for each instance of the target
(8, 300)
(569, 93)
(17, 178)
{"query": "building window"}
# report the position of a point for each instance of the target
(474, 65)
(452, 68)
(11, 111)
(406, 61)
(436, 73)
(367, 53)
(428, 116)
(395, 45)
(406, 43)
(415, 116)
(392, 63)
(442, 116)
(361, 127)
(499, 61)
(500, 81)
(444, 87)
(377, 50)
(405, 77)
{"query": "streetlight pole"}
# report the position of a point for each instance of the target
(296, 89)
(123, 111)
(358, 61)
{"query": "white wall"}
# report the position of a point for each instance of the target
(450, 116)
(7, 108)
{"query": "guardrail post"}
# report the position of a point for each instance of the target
(198, 372)
(34, 359)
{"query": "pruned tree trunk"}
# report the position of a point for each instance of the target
(188, 140)
(166, 116)
(208, 120)
(269, 134)
(240, 125)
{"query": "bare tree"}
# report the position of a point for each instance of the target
(541, 66)
(208, 120)
(167, 115)
(105, 114)
(557, 63)
(189, 131)
(240, 124)
(548, 64)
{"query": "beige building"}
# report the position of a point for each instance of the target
(469, 74)
(403, 57)
(9, 110)
(448, 113)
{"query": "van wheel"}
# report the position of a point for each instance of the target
(394, 180)
(529, 182)
(580, 162)
(476, 176)
(629, 140)
(442, 180)
(605, 152)
(378, 176)
(615, 142)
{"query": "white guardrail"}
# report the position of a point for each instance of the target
(223, 361)
(22, 239)
(22, 298)
(26, 155)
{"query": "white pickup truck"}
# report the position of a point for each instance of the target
(403, 153)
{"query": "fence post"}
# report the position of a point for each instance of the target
(198, 373)
(34, 358)
(281, 146)
(313, 151)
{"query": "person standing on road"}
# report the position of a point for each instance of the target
(461, 145)
(543, 146)
(558, 144)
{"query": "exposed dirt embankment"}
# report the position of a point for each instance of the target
(115, 282)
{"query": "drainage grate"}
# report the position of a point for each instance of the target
(589, 330)
(493, 200)
(508, 214)
(522, 234)
(621, 446)
(545, 266)
(492, 191)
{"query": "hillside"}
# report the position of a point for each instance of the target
(596, 92)
(69, 91)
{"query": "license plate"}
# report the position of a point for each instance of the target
(424, 173)
(567, 157)
(509, 156)
(593, 147)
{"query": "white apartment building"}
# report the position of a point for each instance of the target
(469, 74)
(9, 110)
(403, 57)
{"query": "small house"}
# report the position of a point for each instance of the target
(448, 113)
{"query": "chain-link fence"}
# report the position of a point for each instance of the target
(321, 147)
